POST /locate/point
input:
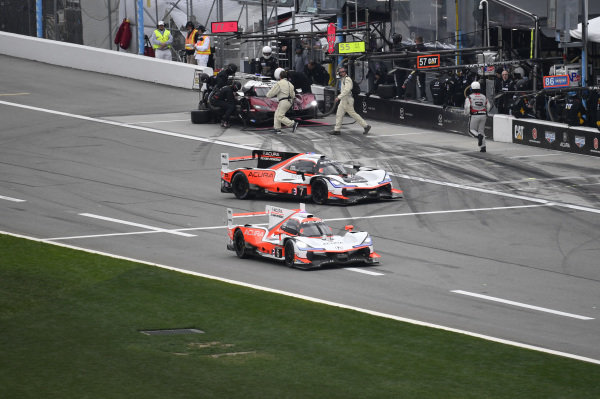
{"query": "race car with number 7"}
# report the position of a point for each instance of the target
(298, 238)
(305, 176)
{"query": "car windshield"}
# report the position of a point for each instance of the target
(328, 167)
(315, 229)
(261, 91)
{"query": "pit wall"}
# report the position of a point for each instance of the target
(93, 59)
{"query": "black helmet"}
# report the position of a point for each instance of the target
(397, 38)
(204, 77)
(201, 28)
(189, 24)
(232, 68)
(237, 85)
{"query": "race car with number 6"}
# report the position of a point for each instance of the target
(298, 238)
(305, 176)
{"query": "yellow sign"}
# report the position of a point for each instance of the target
(352, 47)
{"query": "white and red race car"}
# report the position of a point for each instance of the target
(305, 176)
(298, 238)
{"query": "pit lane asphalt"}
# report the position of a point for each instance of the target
(82, 154)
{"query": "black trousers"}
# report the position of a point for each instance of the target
(226, 106)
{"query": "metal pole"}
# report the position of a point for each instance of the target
(487, 22)
(38, 18)
(156, 10)
(221, 56)
(584, 39)
(110, 27)
(140, 24)
(55, 20)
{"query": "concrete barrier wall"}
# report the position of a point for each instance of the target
(76, 56)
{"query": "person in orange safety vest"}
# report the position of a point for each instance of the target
(202, 47)
(190, 42)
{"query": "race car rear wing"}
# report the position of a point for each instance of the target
(276, 214)
(266, 158)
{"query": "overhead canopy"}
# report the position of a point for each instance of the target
(593, 30)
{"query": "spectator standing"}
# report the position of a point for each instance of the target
(161, 42)
(202, 47)
(503, 86)
(346, 104)
(317, 74)
(284, 91)
(437, 87)
(477, 106)
(301, 59)
(399, 74)
(224, 98)
(190, 41)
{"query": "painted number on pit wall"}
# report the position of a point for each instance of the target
(428, 61)
(352, 47)
(224, 27)
(556, 81)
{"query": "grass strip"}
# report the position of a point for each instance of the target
(70, 328)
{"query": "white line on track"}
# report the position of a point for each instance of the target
(325, 302)
(498, 208)
(248, 147)
(179, 231)
(536, 155)
(394, 135)
(128, 126)
(522, 305)
(133, 233)
(364, 271)
(499, 193)
(11, 199)
(172, 120)
(157, 229)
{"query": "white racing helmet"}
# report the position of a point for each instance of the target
(475, 86)
(266, 51)
(277, 73)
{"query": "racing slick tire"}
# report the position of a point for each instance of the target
(200, 116)
(240, 245)
(320, 192)
(289, 253)
(240, 186)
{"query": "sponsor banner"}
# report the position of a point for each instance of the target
(557, 136)
(411, 113)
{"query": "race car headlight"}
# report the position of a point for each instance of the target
(313, 103)
(259, 106)
(386, 179)
(367, 241)
(339, 183)
(302, 246)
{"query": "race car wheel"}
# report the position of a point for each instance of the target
(289, 253)
(319, 191)
(240, 186)
(240, 245)
(200, 116)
